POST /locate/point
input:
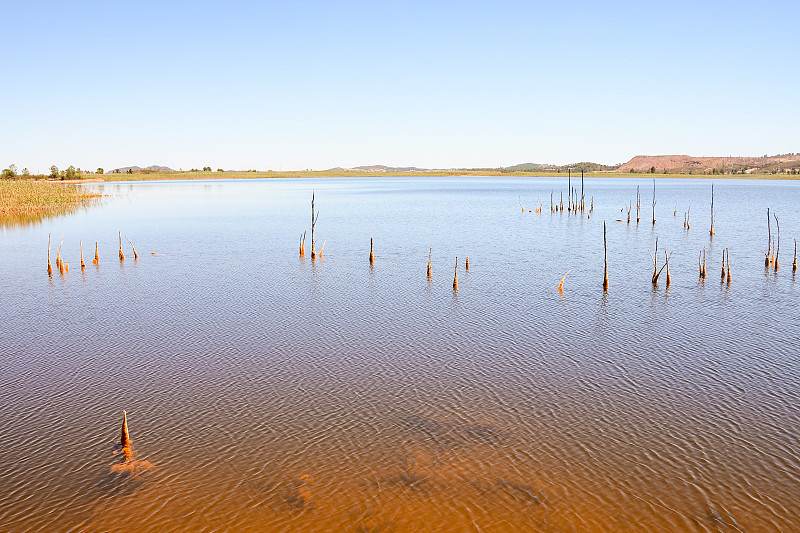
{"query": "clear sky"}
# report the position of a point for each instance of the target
(298, 84)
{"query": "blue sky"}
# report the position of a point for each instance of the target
(295, 85)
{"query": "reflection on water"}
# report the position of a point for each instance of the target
(269, 391)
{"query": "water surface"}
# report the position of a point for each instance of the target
(273, 392)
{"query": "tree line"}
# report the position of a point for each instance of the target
(70, 173)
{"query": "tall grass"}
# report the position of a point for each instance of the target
(29, 200)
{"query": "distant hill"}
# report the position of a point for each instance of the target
(524, 167)
(586, 166)
(377, 168)
(687, 164)
(151, 168)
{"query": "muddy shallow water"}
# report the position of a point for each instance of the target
(273, 392)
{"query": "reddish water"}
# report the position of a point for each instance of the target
(269, 392)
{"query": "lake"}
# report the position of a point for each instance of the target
(272, 392)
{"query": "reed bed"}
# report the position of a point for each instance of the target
(23, 200)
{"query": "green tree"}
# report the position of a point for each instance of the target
(220, 170)
(652, 170)
(206, 169)
(26, 172)
(54, 172)
(130, 171)
(8, 173)
(99, 170)
(70, 173)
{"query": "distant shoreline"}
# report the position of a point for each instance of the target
(187, 175)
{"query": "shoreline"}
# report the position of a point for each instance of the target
(175, 176)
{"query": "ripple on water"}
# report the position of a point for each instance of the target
(288, 394)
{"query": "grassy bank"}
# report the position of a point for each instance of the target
(487, 172)
(30, 200)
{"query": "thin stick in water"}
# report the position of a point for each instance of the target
(49, 265)
(728, 255)
(135, 255)
(778, 242)
(767, 257)
(700, 263)
(711, 231)
(654, 201)
(638, 205)
(704, 262)
(605, 259)
(723, 265)
(561, 283)
(313, 227)
(430, 252)
(59, 262)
